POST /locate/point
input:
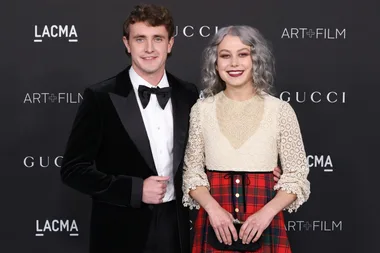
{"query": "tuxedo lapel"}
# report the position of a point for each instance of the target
(180, 121)
(125, 103)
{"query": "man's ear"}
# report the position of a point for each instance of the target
(126, 44)
(170, 45)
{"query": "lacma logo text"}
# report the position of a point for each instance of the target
(67, 32)
(57, 226)
(321, 161)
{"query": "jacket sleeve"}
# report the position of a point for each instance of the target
(78, 169)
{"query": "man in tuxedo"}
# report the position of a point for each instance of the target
(127, 145)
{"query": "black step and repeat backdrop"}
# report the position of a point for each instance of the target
(327, 55)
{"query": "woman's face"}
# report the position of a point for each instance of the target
(234, 62)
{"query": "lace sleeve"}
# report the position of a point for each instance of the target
(194, 174)
(293, 158)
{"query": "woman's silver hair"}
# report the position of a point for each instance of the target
(263, 70)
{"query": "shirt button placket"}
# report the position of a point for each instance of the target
(237, 181)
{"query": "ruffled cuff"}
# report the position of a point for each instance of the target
(191, 182)
(300, 189)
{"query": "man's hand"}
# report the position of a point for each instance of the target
(154, 189)
(277, 173)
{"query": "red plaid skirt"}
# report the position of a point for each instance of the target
(242, 194)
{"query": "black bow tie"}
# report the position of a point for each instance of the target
(163, 95)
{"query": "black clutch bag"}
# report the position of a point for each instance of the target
(235, 246)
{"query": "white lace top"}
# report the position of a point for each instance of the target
(229, 135)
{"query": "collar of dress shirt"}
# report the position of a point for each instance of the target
(138, 80)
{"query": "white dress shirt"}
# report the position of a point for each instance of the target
(159, 127)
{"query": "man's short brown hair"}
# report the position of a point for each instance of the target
(151, 14)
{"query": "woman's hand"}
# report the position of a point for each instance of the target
(254, 226)
(221, 222)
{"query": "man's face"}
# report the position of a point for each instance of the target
(149, 47)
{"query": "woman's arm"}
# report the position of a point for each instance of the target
(195, 183)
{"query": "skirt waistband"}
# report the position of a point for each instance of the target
(239, 172)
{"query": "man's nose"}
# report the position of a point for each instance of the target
(149, 48)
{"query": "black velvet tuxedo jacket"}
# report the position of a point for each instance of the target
(108, 156)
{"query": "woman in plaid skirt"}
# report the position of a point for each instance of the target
(237, 132)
